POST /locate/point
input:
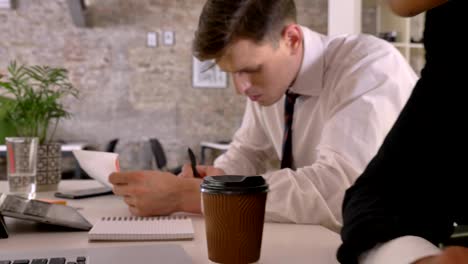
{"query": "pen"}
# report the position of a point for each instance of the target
(193, 162)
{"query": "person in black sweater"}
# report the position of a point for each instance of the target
(413, 192)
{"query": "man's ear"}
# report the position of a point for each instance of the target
(292, 37)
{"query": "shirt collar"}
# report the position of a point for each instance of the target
(309, 80)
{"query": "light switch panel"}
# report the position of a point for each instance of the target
(168, 38)
(152, 39)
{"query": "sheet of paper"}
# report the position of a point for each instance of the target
(98, 164)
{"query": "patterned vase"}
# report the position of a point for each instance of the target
(49, 167)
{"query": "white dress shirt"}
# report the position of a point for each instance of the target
(352, 89)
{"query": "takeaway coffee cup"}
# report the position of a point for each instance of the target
(234, 209)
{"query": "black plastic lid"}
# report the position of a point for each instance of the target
(234, 184)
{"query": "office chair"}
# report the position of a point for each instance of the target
(160, 157)
(111, 145)
(3, 175)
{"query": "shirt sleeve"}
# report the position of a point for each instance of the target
(312, 194)
(406, 249)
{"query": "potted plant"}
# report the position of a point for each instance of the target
(36, 110)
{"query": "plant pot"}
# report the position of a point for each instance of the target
(49, 167)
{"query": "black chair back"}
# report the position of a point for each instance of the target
(111, 145)
(159, 154)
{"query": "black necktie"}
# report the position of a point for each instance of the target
(287, 159)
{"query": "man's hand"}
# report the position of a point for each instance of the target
(157, 193)
(451, 255)
(203, 170)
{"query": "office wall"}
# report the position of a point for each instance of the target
(130, 91)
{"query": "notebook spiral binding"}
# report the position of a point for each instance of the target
(141, 218)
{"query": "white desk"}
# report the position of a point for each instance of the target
(282, 243)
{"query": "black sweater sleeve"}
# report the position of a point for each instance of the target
(397, 194)
(415, 184)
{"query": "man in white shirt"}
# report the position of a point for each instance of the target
(350, 91)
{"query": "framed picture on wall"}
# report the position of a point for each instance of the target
(206, 74)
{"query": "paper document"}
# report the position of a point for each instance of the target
(98, 164)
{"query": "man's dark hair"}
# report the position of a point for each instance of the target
(223, 21)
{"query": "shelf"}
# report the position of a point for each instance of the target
(408, 45)
(400, 44)
(416, 45)
(402, 30)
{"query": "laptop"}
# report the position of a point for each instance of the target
(154, 254)
(39, 211)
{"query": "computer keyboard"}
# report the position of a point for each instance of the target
(55, 260)
(113, 254)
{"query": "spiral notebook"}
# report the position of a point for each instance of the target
(142, 228)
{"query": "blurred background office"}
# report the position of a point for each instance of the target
(131, 61)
